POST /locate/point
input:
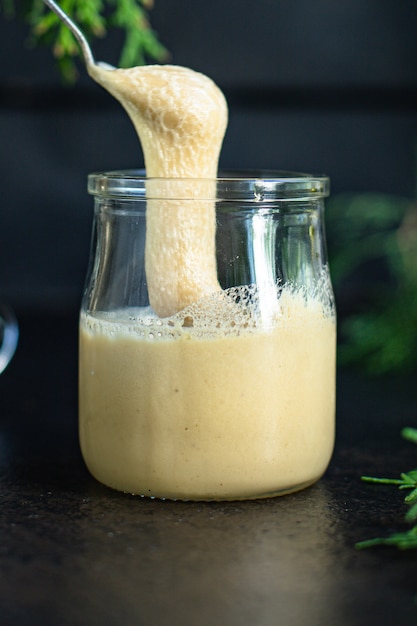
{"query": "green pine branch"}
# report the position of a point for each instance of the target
(406, 540)
(376, 229)
(95, 18)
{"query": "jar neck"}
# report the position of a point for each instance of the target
(239, 186)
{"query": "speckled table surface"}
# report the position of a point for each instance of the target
(75, 553)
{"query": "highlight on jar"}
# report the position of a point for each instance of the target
(208, 336)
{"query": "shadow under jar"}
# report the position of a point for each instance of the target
(231, 396)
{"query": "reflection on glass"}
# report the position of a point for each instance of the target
(9, 334)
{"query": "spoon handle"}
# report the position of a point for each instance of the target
(78, 34)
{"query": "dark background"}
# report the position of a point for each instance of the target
(318, 86)
(329, 86)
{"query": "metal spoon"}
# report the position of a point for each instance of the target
(78, 34)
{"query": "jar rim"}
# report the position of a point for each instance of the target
(230, 185)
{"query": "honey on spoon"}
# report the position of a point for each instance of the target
(180, 117)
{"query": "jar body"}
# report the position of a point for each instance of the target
(232, 396)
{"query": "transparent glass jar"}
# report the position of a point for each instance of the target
(228, 392)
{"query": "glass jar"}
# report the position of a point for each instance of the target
(228, 391)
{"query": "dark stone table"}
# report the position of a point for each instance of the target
(75, 553)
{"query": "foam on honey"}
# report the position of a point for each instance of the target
(231, 312)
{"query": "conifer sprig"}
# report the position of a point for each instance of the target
(95, 18)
